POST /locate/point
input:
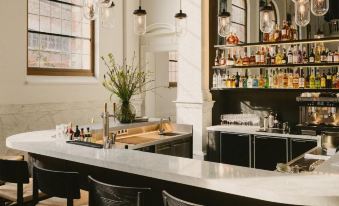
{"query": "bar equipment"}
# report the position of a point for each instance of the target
(318, 113)
(240, 119)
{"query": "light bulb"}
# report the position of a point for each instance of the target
(90, 9)
(224, 23)
(140, 24)
(266, 19)
(302, 13)
(320, 7)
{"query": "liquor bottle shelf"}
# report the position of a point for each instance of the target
(336, 64)
(303, 41)
(275, 89)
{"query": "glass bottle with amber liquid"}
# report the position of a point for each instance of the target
(301, 79)
(277, 33)
(290, 78)
(317, 79)
(285, 80)
(312, 80)
(285, 32)
(279, 57)
(329, 80)
(323, 81)
(296, 79)
(311, 58)
(261, 80)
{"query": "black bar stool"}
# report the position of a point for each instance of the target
(169, 200)
(17, 186)
(63, 187)
(102, 194)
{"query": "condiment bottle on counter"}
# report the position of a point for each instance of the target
(271, 120)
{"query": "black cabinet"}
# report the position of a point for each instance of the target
(235, 149)
(268, 151)
(178, 148)
(301, 146)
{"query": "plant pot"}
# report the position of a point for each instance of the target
(126, 112)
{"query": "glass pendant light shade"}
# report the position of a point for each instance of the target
(320, 7)
(266, 19)
(90, 9)
(300, 1)
(224, 23)
(106, 3)
(302, 13)
(180, 22)
(140, 17)
(107, 16)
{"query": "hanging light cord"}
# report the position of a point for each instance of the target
(140, 3)
(180, 6)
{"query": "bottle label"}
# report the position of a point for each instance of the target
(290, 59)
(262, 59)
(330, 58)
(336, 58)
(257, 58)
(311, 59)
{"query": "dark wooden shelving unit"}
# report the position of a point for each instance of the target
(304, 41)
(335, 64)
(274, 89)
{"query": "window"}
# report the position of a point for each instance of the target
(239, 19)
(173, 69)
(60, 40)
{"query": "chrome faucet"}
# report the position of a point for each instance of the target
(105, 117)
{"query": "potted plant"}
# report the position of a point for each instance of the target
(124, 81)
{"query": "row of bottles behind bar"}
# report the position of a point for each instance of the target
(308, 78)
(276, 55)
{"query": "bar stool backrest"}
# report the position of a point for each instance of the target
(169, 200)
(56, 184)
(15, 171)
(102, 194)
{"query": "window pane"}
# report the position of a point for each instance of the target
(76, 28)
(66, 45)
(65, 61)
(33, 41)
(45, 8)
(86, 31)
(66, 12)
(33, 6)
(76, 46)
(66, 27)
(76, 13)
(238, 15)
(55, 10)
(239, 3)
(33, 58)
(45, 24)
(240, 31)
(77, 2)
(76, 61)
(86, 62)
(56, 26)
(33, 22)
(86, 47)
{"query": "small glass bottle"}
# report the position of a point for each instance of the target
(277, 33)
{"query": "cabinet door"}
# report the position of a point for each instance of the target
(235, 149)
(213, 147)
(165, 149)
(301, 146)
(268, 151)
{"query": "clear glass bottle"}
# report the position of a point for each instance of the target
(301, 79)
(312, 80)
(215, 79)
(216, 59)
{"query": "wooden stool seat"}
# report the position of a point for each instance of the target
(55, 201)
(9, 192)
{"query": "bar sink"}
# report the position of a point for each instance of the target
(135, 140)
(170, 134)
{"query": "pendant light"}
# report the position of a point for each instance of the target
(298, 1)
(320, 7)
(180, 22)
(266, 18)
(302, 13)
(140, 20)
(107, 14)
(90, 9)
(224, 22)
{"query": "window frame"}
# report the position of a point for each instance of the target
(44, 71)
(245, 23)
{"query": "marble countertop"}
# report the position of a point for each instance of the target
(254, 131)
(305, 189)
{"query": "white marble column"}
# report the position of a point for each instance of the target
(194, 102)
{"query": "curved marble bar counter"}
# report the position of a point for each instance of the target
(319, 188)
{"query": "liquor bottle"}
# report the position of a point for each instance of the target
(284, 60)
(317, 58)
(317, 79)
(293, 33)
(261, 80)
(336, 56)
(241, 81)
(237, 80)
(272, 79)
(258, 57)
(222, 60)
(249, 82)
(252, 59)
(224, 80)
(268, 57)
(312, 56)
(312, 80)
(233, 81)
(266, 37)
(216, 59)
(330, 58)
(279, 57)
(273, 58)
(246, 60)
(307, 79)
(329, 80)
(323, 81)
(334, 78)
(337, 82)
(215, 79)
(285, 80)
(305, 58)
(290, 56)
(262, 56)
(285, 31)
(245, 85)
(300, 56)
(239, 61)
(77, 132)
(323, 56)
(280, 82)
(228, 80)
(230, 60)
(277, 33)
(267, 80)
(296, 80)
(295, 55)
(290, 79)
(301, 79)
(255, 82)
